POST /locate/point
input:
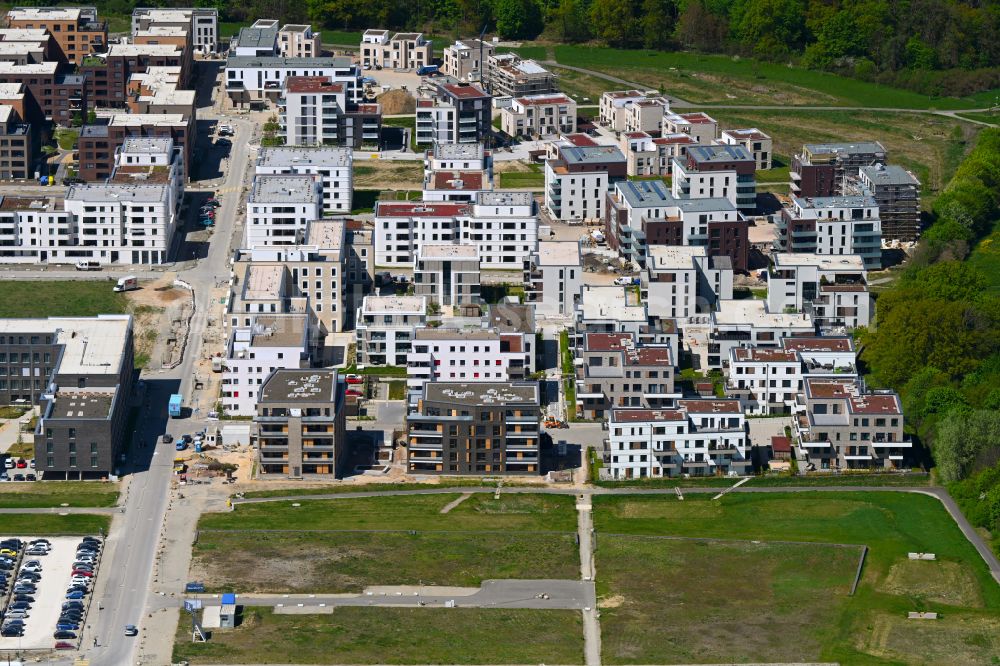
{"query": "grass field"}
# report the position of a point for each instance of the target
(986, 257)
(44, 524)
(991, 118)
(777, 481)
(23, 298)
(389, 175)
(866, 628)
(392, 636)
(55, 493)
(584, 88)
(521, 174)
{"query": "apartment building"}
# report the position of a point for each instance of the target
(331, 166)
(578, 178)
(157, 91)
(447, 274)
(647, 155)
(608, 309)
(552, 278)
(299, 425)
(466, 59)
(470, 428)
(280, 208)
(616, 371)
(833, 289)
(749, 323)
(60, 97)
(897, 193)
(823, 169)
(455, 186)
(708, 172)
(502, 225)
(765, 380)
(202, 23)
(539, 115)
(257, 40)
(507, 75)
(757, 143)
(700, 126)
(697, 438)
(107, 75)
(77, 31)
(17, 149)
(824, 356)
(633, 111)
(253, 352)
(79, 372)
(98, 144)
(299, 41)
(455, 113)
(841, 424)
(25, 47)
(680, 282)
(400, 51)
(386, 327)
(313, 110)
(458, 157)
(256, 80)
(837, 225)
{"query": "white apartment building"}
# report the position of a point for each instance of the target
(466, 59)
(455, 113)
(280, 207)
(829, 354)
(446, 185)
(539, 115)
(698, 438)
(503, 225)
(447, 274)
(834, 289)
(386, 327)
(202, 23)
(332, 166)
(309, 110)
(832, 226)
(765, 380)
(748, 323)
(149, 161)
(299, 41)
(708, 172)
(633, 111)
(651, 156)
(702, 127)
(258, 79)
(458, 157)
(552, 278)
(577, 180)
(681, 281)
(756, 142)
(403, 50)
(608, 309)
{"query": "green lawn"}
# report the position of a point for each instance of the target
(397, 390)
(391, 636)
(56, 493)
(66, 138)
(363, 201)
(521, 179)
(860, 479)
(404, 121)
(800, 589)
(991, 118)
(44, 298)
(342, 38)
(35, 524)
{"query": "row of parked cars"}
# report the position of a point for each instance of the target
(71, 616)
(18, 608)
(18, 469)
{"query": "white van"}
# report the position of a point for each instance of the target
(128, 283)
(88, 265)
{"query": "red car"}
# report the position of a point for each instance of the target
(81, 572)
(354, 392)
(63, 645)
(355, 379)
(22, 463)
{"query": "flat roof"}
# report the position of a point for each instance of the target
(419, 208)
(278, 330)
(279, 62)
(310, 84)
(459, 151)
(602, 342)
(287, 156)
(148, 144)
(151, 119)
(391, 304)
(92, 345)
(856, 147)
(326, 234)
(591, 154)
(457, 180)
(128, 50)
(751, 134)
(465, 90)
(286, 385)
(840, 201)
(455, 334)
(281, 188)
(544, 98)
(623, 94)
(675, 257)
(608, 302)
(485, 393)
(251, 37)
(819, 344)
(723, 153)
(641, 415)
(108, 192)
(47, 13)
(263, 281)
(504, 198)
(447, 251)
(82, 404)
(754, 313)
(710, 406)
(828, 262)
(764, 354)
(558, 253)
(11, 90)
(889, 174)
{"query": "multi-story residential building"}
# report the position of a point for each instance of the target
(447, 274)
(98, 144)
(150, 161)
(156, 91)
(823, 169)
(202, 23)
(299, 424)
(386, 327)
(702, 127)
(76, 30)
(257, 40)
(503, 225)
(608, 309)
(765, 380)
(470, 428)
(360, 267)
(403, 50)
(828, 355)
(897, 193)
(456, 113)
(633, 111)
(552, 278)
(25, 47)
(833, 289)
(832, 226)
(280, 207)
(651, 156)
(507, 75)
(79, 371)
(299, 41)
(313, 110)
(17, 150)
(748, 323)
(697, 438)
(682, 281)
(708, 172)
(466, 59)
(617, 371)
(60, 97)
(756, 142)
(539, 115)
(255, 80)
(107, 75)
(458, 157)
(456, 186)
(578, 179)
(641, 214)
(253, 352)
(840, 424)
(332, 166)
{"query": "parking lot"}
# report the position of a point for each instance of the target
(50, 594)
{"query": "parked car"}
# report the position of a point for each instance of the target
(88, 265)
(194, 588)
(22, 463)
(355, 379)
(64, 635)
(168, 438)
(74, 594)
(354, 392)
(19, 477)
(131, 630)
(63, 645)
(30, 477)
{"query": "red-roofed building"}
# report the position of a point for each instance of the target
(539, 115)
(616, 371)
(458, 113)
(317, 111)
(781, 447)
(446, 185)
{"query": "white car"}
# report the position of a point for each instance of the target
(623, 281)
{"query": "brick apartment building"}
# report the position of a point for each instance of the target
(77, 31)
(97, 143)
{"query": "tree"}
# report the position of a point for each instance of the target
(966, 441)
(569, 22)
(657, 18)
(770, 28)
(615, 22)
(517, 19)
(698, 27)
(948, 281)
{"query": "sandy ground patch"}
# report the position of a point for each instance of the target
(938, 581)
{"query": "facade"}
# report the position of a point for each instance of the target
(202, 24)
(837, 225)
(708, 172)
(840, 424)
(60, 97)
(280, 207)
(386, 327)
(765, 381)
(612, 107)
(507, 75)
(401, 51)
(313, 110)
(17, 150)
(256, 80)
(700, 126)
(299, 41)
(107, 75)
(756, 142)
(748, 323)
(331, 166)
(633, 111)
(79, 372)
(299, 424)
(487, 428)
(682, 281)
(617, 371)
(833, 289)
(466, 58)
(539, 115)
(456, 113)
(897, 193)
(76, 30)
(823, 169)
(652, 156)
(157, 91)
(578, 178)
(697, 438)
(447, 274)
(98, 144)
(552, 278)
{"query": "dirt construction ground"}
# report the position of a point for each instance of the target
(160, 312)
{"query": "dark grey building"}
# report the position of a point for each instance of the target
(475, 428)
(299, 425)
